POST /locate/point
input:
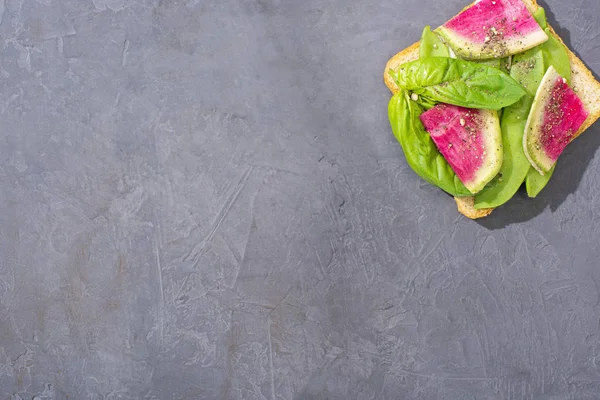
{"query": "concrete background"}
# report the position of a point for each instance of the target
(202, 199)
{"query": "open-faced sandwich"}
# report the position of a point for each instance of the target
(488, 101)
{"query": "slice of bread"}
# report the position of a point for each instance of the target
(582, 81)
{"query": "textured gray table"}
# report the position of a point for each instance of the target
(202, 199)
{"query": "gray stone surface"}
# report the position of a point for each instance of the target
(202, 199)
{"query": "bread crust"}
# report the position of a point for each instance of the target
(582, 81)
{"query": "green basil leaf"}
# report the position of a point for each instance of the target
(498, 63)
(492, 62)
(527, 69)
(557, 55)
(540, 17)
(420, 151)
(555, 52)
(459, 82)
(535, 181)
(425, 103)
(431, 45)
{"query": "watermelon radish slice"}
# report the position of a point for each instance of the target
(492, 29)
(469, 139)
(556, 115)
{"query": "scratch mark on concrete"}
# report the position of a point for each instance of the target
(243, 255)
(161, 301)
(231, 350)
(59, 43)
(23, 359)
(125, 53)
(383, 384)
(278, 169)
(448, 378)
(359, 262)
(483, 355)
(2, 6)
(455, 225)
(489, 289)
(433, 248)
(271, 373)
(232, 250)
(287, 294)
(321, 264)
(251, 303)
(185, 281)
(198, 250)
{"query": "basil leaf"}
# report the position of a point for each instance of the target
(459, 82)
(492, 62)
(540, 17)
(420, 151)
(425, 103)
(431, 45)
(498, 63)
(555, 52)
(527, 69)
(557, 55)
(535, 181)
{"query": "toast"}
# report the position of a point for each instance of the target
(583, 82)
